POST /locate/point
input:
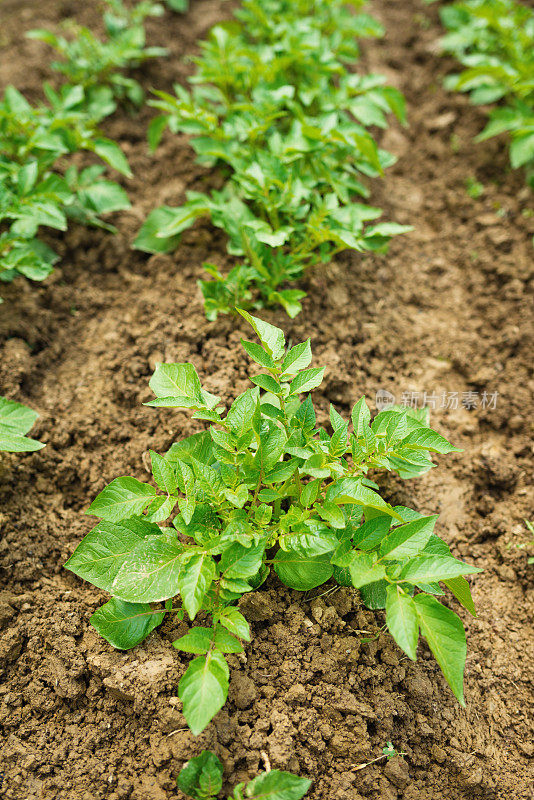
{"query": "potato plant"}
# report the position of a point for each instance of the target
(34, 192)
(494, 41)
(265, 489)
(98, 65)
(201, 779)
(275, 105)
(15, 422)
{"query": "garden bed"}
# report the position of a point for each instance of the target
(448, 310)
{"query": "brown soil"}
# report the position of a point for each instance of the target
(448, 310)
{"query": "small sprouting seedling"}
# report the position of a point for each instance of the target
(15, 422)
(98, 66)
(523, 545)
(474, 188)
(388, 752)
(274, 102)
(265, 488)
(201, 779)
(494, 41)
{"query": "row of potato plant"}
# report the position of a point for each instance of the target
(275, 104)
(36, 190)
(494, 41)
(263, 489)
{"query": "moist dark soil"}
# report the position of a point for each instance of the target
(321, 688)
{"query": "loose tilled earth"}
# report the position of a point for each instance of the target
(448, 310)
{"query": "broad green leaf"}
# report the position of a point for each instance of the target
(302, 572)
(307, 380)
(238, 561)
(259, 355)
(12, 443)
(203, 689)
(196, 640)
(124, 625)
(402, 620)
(277, 785)
(460, 589)
(176, 381)
(163, 473)
(201, 777)
(111, 153)
(194, 581)
(360, 417)
(408, 540)
(100, 555)
(428, 569)
(371, 533)
(352, 490)
(429, 440)
(272, 338)
(122, 498)
(16, 416)
(299, 357)
(234, 621)
(445, 635)
(151, 571)
(226, 642)
(147, 239)
(364, 570)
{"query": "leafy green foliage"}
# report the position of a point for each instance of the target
(274, 103)
(98, 65)
(34, 193)
(494, 41)
(201, 779)
(15, 422)
(264, 487)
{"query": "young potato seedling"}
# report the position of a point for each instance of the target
(494, 41)
(34, 193)
(98, 66)
(275, 105)
(264, 489)
(15, 422)
(201, 779)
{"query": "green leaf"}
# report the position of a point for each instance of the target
(363, 570)
(272, 338)
(111, 153)
(197, 640)
(226, 642)
(203, 689)
(194, 581)
(122, 498)
(408, 540)
(256, 352)
(445, 635)
(461, 590)
(151, 571)
(277, 785)
(299, 357)
(201, 777)
(124, 625)
(428, 439)
(16, 416)
(307, 380)
(302, 572)
(360, 417)
(100, 555)
(428, 569)
(310, 492)
(234, 621)
(238, 561)
(163, 473)
(179, 381)
(148, 240)
(402, 620)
